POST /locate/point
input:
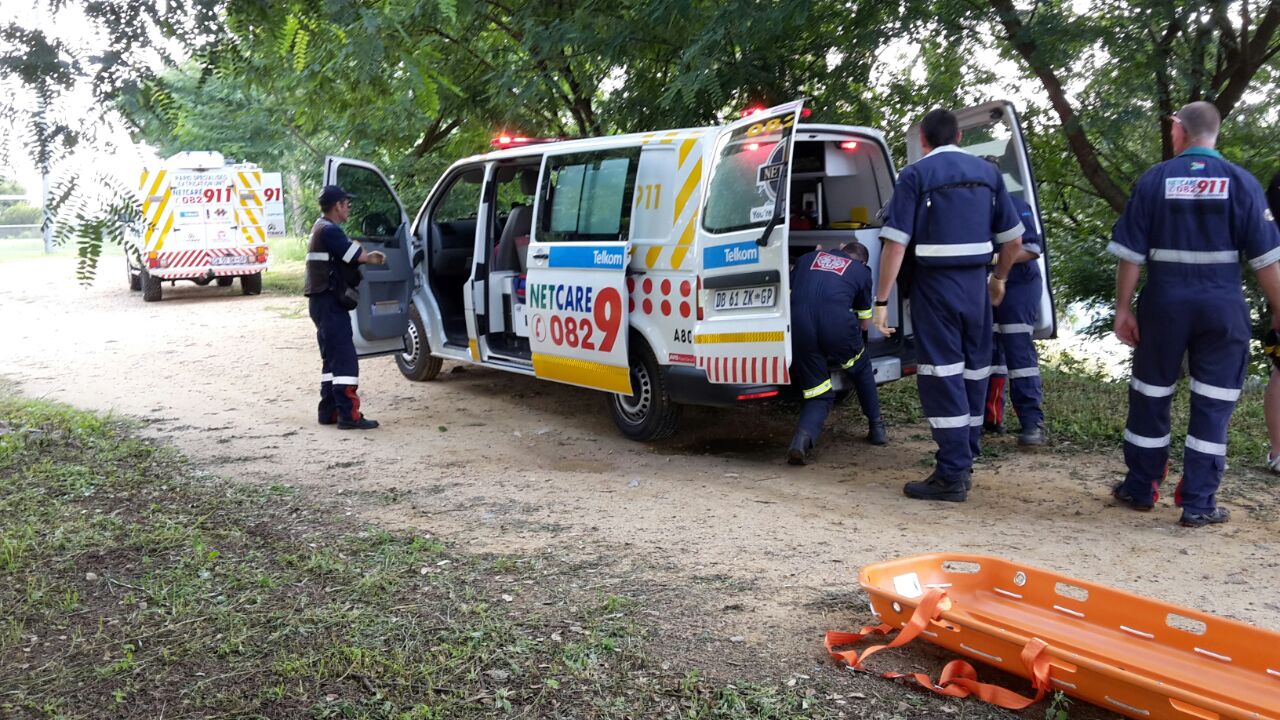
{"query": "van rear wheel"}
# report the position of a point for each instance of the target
(416, 362)
(151, 291)
(648, 413)
(251, 284)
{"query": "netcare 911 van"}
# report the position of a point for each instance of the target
(652, 266)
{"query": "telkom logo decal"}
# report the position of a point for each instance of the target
(743, 253)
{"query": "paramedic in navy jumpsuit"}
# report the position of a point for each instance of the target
(1189, 220)
(946, 209)
(830, 304)
(1014, 351)
(329, 255)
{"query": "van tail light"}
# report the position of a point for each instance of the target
(758, 395)
(260, 254)
(152, 260)
(698, 295)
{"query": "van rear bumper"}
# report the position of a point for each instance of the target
(689, 386)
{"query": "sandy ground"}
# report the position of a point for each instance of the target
(508, 464)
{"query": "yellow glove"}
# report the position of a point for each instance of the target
(995, 288)
(880, 318)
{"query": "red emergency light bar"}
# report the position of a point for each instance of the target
(849, 145)
(505, 141)
(752, 110)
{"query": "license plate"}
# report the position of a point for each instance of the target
(229, 260)
(764, 296)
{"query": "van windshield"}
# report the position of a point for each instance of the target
(749, 174)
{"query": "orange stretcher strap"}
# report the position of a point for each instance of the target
(958, 679)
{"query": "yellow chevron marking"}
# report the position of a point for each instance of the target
(685, 148)
(168, 225)
(253, 219)
(739, 337)
(474, 348)
(142, 181)
(651, 257)
(583, 372)
(262, 233)
(648, 138)
(155, 219)
(155, 188)
(690, 184)
(668, 138)
(686, 242)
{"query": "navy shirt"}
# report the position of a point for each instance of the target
(950, 203)
(329, 249)
(1029, 271)
(1191, 218)
(825, 282)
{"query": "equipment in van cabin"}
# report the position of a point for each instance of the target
(652, 266)
(203, 220)
(1139, 657)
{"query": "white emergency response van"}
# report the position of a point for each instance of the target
(653, 266)
(202, 220)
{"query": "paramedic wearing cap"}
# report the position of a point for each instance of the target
(1014, 350)
(1188, 221)
(332, 261)
(945, 210)
(830, 306)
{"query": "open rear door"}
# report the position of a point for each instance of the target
(377, 222)
(578, 257)
(743, 332)
(992, 130)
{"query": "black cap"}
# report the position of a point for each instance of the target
(332, 194)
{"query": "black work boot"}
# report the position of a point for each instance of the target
(991, 427)
(363, 423)
(1031, 436)
(1216, 516)
(801, 450)
(876, 434)
(935, 488)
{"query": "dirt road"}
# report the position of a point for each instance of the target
(765, 554)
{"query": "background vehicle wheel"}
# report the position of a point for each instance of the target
(416, 362)
(251, 284)
(225, 281)
(648, 413)
(135, 280)
(150, 286)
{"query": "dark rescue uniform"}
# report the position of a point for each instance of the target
(1014, 355)
(332, 265)
(830, 296)
(1189, 220)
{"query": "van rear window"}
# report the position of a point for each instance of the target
(750, 172)
(585, 196)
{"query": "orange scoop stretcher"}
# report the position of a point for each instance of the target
(1129, 654)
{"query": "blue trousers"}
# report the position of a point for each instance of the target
(1014, 355)
(1214, 336)
(835, 340)
(339, 366)
(951, 318)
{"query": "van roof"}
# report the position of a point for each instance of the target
(611, 141)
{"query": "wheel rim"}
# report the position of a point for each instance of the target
(413, 343)
(634, 408)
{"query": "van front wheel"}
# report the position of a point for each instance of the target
(648, 413)
(416, 362)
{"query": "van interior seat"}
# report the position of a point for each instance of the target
(513, 245)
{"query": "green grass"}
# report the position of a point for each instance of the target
(135, 587)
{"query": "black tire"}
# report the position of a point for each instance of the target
(416, 362)
(648, 413)
(225, 281)
(251, 284)
(151, 291)
(135, 280)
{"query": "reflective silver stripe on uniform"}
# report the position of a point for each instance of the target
(817, 390)
(1265, 259)
(1154, 391)
(351, 252)
(999, 369)
(949, 423)
(894, 235)
(1145, 442)
(1015, 373)
(975, 421)
(977, 374)
(320, 257)
(1125, 253)
(1013, 328)
(1206, 447)
(952, 250)
(346, 380)
(940, 370)
(1011, 234)
(1194, 257)
(1032, 248)
(1213, 391)
(326, 377)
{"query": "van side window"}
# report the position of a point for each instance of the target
(746, 179)
(374, 211)
(654, 203)
(586, 197)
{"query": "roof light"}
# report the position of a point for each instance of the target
(503, 141)
(752, 110)
(805, 113)
(753, 146)
(849, 145)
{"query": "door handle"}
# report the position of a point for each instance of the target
(541, 255)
